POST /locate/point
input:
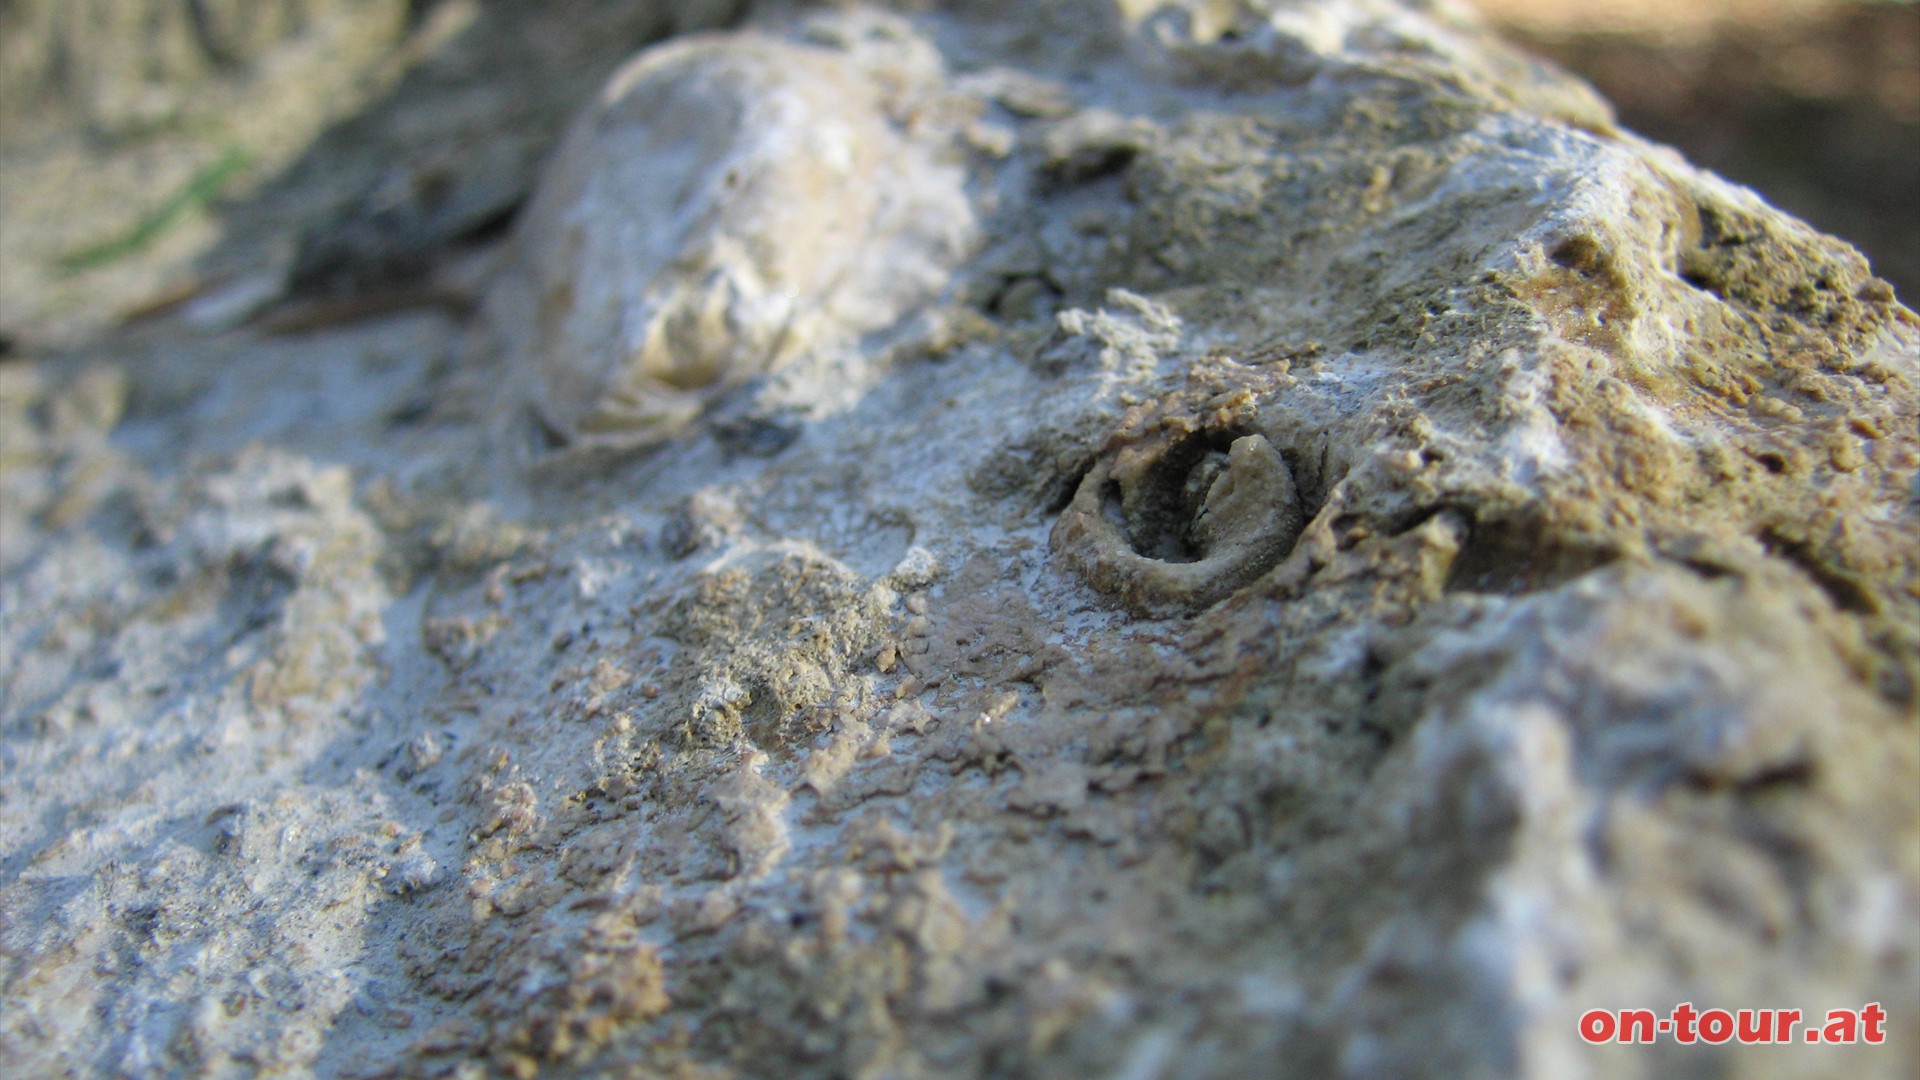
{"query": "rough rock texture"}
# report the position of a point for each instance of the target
(1329, 560)
(1815, 102)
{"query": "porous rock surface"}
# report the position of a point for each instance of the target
(1327, 559)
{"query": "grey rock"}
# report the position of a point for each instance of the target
(1439, 564)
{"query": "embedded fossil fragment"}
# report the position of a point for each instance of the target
(728, 204)
(1176, 523)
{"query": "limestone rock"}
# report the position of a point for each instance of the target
(1215, 539)
(729, 204)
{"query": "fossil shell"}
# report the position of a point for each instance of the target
(1169, 526)
(727, 204)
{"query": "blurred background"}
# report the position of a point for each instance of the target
(155, 155)
(1814, 103)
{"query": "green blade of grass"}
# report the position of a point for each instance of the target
(195, 194)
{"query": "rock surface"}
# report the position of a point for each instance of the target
(728, 205)
(1190, 539)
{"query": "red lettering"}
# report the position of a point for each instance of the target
(1751, 1027)
(1683, 1015)
(1873, 1020)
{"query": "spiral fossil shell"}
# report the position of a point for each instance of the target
(1169, 526)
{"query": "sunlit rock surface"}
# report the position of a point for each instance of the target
(1167, 540)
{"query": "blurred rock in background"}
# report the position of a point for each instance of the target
(160, 153)
(1815, 103)
(117, 66)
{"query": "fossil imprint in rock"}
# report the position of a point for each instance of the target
(1177, 524)
(726, 205)
(1186, 505)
